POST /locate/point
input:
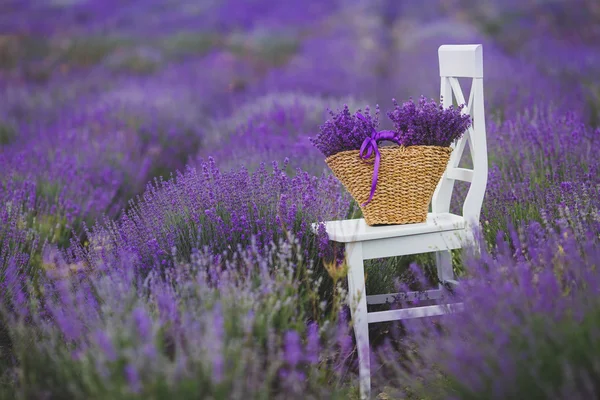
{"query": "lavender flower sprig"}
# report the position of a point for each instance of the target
(427, 123)
(345, 131)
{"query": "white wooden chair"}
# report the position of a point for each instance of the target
(441, 232)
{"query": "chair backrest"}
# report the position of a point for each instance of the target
(464, 61)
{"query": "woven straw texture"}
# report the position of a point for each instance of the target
(407, 179)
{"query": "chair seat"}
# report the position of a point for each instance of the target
(357, 230)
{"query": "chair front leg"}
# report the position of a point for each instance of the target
(357, 299)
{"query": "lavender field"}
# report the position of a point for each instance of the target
(158, 186)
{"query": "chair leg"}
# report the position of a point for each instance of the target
(358, 305)
(443, 261)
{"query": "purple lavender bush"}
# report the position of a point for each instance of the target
(427, 123)
(207, 327)
(71, 181)
(197, 287)
(528, 330)
(221, 211)
(19, 246)
(554, 172)
(336, 39)
(271, 127)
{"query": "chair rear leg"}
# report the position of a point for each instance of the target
(443, 261)
(357, 298)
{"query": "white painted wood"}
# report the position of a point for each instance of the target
(452, 283)
(414, 312)
(357, 230)
(415, 244)
(357, 299)
(461, 60)
(464, 61)
(474, 200)
(460, 99)
(443, 262)
(440, 202)
(441, 232)
(460, 174)
(433, 294)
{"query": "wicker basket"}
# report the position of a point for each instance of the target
(407, 179)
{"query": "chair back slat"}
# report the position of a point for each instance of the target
(464, 61)
(461, 61)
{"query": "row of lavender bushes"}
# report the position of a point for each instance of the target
(226, 326)
(234, 325)
(211, 284)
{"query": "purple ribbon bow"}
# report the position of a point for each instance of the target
(369, 147)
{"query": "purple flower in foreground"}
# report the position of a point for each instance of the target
(293, 348)
(143, 323)
(105, 344)
(344, 339)
(133, 378)
(12, 289)
(312, 344)
(218, 332)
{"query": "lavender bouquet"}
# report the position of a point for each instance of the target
(427, 123)
(406, 175)
(345, 131)
(423, 124)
